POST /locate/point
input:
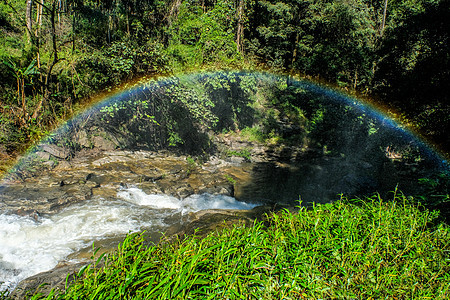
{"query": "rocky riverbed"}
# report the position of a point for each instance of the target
(54, 179)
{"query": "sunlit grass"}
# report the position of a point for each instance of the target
(351, 249)
(6, 164)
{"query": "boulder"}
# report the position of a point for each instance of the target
(82, 139)
(56, 151)
(42, 155)
(46, 281)
(103, 143)
(42, 199)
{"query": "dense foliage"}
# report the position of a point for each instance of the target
(349, 249)
(187, 114)
(54, 53)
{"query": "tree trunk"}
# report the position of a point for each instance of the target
(24, 104)
(109, 28)
(29, 20)
(52, 11)
(128, 24)
(53, 31)
(18, 90)
(383, 24)
(38, 108)
(294, 53)
(74, 19)
(38, 15)
(174, 10)
(240, 27)
(59, 12)
(39, 8)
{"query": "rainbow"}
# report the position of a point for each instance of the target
(152, 86)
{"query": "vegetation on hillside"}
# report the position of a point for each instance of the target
(357, 248)
(55, 54)
(182, 112)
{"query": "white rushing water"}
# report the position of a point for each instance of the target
(190, 204)
(29, 246)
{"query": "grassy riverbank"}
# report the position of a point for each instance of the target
(350, 249)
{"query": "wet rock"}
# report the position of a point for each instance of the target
(152, 178)
(31, 197)
(110, 159)
(150, 188)
(103, 143)
(92, 184)
(50, 164)
(184, 191)
(56, 151)
(205, 221)
(30, 212)
(63, 165)
(82, 139)
(42, 155)
(210, 220)
(224, 189)
(46, 281)
(236, 160)
(95, 178)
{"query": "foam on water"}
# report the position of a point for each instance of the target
(137, 196)
(29, 246)
(192, 203)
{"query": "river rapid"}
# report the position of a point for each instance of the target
(55, 215)
(34, 244)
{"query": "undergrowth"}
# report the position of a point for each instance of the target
(350, 249)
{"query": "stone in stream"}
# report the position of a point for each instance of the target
(56, 278)
(56, 151)
(41, 199)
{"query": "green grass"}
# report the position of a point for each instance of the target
(244, 153)
(351, 249)
(253, 134)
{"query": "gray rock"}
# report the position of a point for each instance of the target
(110, 159)
(236, 160)
(43, 199)
(46, 281)
(50, 163)
(42, 155)
(56, 151)
(103, 143)
(82, 139)
(184, 191)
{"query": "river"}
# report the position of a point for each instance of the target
(34, 244)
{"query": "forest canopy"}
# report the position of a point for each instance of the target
(55, 54)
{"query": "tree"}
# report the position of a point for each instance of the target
(23, 76)
(413, 71)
